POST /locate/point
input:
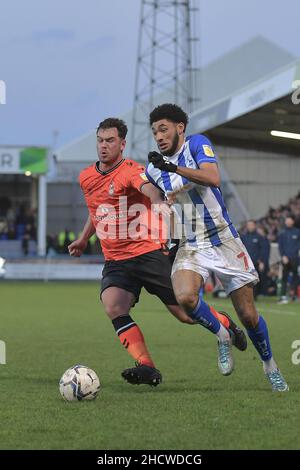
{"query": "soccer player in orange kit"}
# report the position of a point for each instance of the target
(115, 190)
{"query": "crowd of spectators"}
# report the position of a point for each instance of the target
(273, 222)
(280, 225)
(17, 223)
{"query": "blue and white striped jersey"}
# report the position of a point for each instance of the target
(201, 217)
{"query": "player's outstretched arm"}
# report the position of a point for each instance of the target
(156, 197)
(77, 247)
(153, 193)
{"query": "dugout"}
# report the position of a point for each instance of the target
(23, 199)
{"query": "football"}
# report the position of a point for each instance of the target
(79, 383)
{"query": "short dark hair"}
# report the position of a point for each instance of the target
(169, 111)
(109, 123)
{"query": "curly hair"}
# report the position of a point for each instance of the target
(169, 111)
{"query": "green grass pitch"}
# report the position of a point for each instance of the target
(48, 327)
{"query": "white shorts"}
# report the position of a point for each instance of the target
(230, 262)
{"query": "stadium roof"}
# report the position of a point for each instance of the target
(258, 74)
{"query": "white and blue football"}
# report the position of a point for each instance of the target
(79, 383)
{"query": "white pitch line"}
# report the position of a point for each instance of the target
(267, 309)
(283, 312)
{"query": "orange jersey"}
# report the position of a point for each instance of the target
(121, 214)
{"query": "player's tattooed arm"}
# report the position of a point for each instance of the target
(77, 247)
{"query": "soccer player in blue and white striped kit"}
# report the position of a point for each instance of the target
(186, 170)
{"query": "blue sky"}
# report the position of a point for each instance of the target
(69, 64)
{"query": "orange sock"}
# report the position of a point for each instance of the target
(132, 339)
(222, 319)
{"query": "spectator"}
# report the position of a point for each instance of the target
(289, 248)
(25, 240)
(5, 204)
(266, 248)
(255, 245)
(272, 279)
(3, 229)
(64, 239)
(51, 246)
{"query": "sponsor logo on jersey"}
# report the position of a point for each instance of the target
(111, 189)
(208, 151)
(144, 177)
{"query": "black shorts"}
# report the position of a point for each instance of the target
(151, 270)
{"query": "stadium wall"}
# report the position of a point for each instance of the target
(66, 205)
(65, 208)
(54, 271)
(262, 179)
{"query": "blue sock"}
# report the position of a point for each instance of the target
(201, 294)
(203, 315)
(260, 338)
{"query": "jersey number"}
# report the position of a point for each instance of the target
(244, 256)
